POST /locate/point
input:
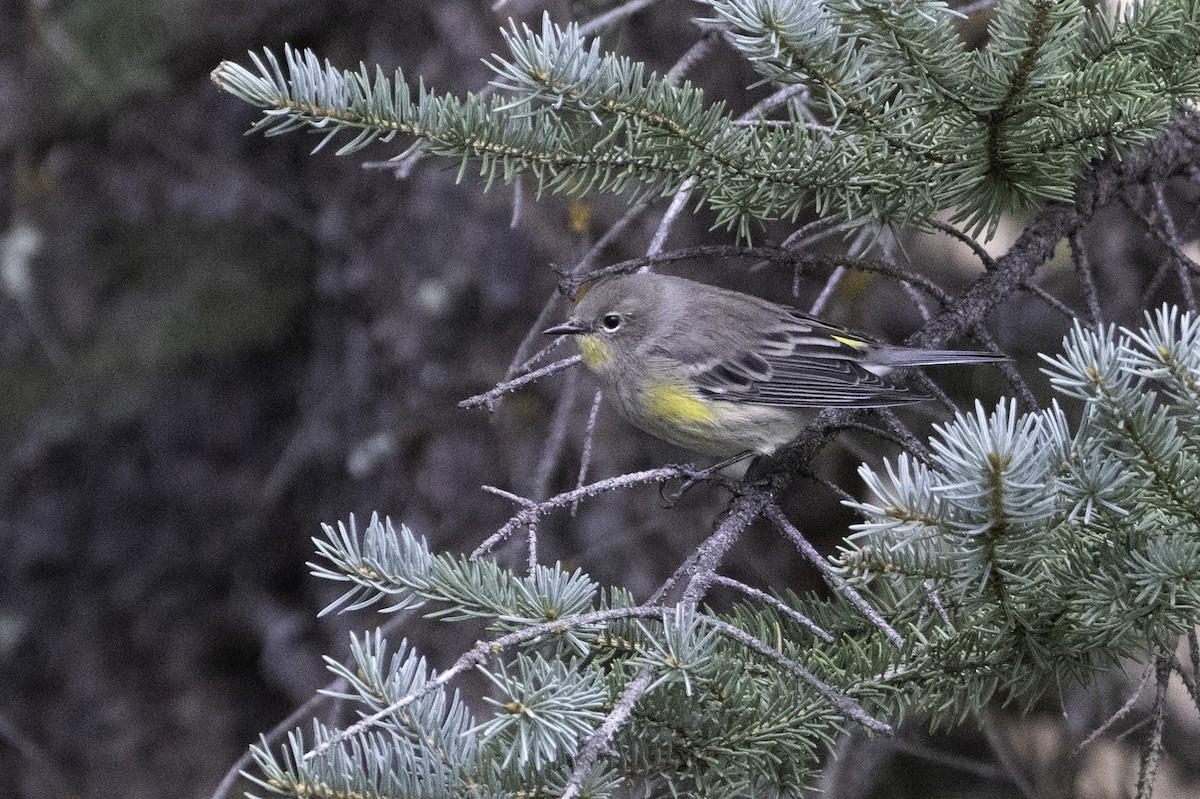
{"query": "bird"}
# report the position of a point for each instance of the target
(730, 374)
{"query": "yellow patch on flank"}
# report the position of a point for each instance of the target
(851, 342)
(676, 403)
(596, 354)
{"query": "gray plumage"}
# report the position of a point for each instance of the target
(754, 363)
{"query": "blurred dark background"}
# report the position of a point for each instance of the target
(211, 343)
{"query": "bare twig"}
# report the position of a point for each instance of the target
(1121, 712)
(949, 759)
(609, 236)
(556, 437)
(678, 203)
(597, 24)
(1168, 234)
(1189, 683)
(292, 720)
(709, 554)
(765, 253)
(1087, 279)
(1050, 299)
(935, 599)
(904, 436)
(841, 701)
(1010, 371)
(488, 398)
(1152, 752)
(690, 57)
(982, 254)
(831, 284)
(764, 597)
(534, 509)
(775, 514)
(589, 438)
(768, 104)
(599, 740)
(519, 362)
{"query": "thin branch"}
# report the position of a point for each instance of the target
(982, 254)
(1083, 268)
(1168, 234)
(597, 24)
(1152, 753)
(765, 598)
(904, 436)
(678, 203)
(556, 437)
(847, 706)
(534, 509)
(808, 235)
(781, 522)
(935, 599)
(599, 740)
(949, 759)
(765, 253)
(1010, 371)
(759, 110)
(609, 236)
(277, 732)
(691, 57)
(488, 398)
(518, 205)
(531, 548)
(1121, 712)
(1050, 299)
(1188, 683)
(831, 284)
(709, 554)
(519, 363)
(589, 438)
(967, 9)
(745, 508)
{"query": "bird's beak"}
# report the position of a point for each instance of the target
(567, 328)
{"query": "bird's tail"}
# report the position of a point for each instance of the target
(904, 356)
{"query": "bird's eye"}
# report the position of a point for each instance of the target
(611, 322)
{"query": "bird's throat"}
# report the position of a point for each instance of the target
(596, 354)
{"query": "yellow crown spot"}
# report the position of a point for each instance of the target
(596, 354)
(677, 404)
(858, 344)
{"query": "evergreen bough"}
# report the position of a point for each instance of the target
(1013, 555)
(1024, 554)
(910, 123)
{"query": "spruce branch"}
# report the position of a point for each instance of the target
(891, 79)
(1016, 553)
(1007, 562)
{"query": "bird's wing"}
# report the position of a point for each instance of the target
(801, 362)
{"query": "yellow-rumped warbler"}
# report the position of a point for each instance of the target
(727, 373)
